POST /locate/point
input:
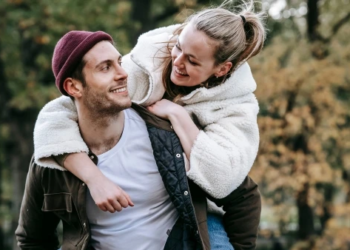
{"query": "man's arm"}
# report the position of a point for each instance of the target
(242, 214)
(36, 229)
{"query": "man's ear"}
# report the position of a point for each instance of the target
(73, 87)
(223, 69)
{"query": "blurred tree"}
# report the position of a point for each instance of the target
(29, 32)
(312, 19)
(303, 90)
(304, 94)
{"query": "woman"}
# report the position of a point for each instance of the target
(199, 70)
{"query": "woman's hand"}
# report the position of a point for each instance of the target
(107, 195)
(181, 121)
(166, 109)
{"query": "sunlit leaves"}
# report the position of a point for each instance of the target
(305, 127)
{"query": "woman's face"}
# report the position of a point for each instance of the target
(193, 58)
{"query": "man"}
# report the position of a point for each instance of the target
(166, 214)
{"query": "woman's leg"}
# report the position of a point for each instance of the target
(217, 234)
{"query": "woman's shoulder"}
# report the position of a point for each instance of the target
(167, 30)
(145, 63)
(151, 46)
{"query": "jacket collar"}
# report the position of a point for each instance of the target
(152, 119)
(147, 57)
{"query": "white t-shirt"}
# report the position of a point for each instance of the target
(131, 165)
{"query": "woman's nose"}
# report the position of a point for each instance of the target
(178, 60)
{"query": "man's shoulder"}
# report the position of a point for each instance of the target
(38, 171)
(34, 167)
(52, 179)
(131, 113)
(150, 118)
(134, 116)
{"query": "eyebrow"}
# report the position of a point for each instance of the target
(108, 61)
(187, 54)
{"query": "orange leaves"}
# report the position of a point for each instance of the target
(42, 39)
(294, 124)
(188, 3)
(304, 129)
(17, 2)
(346, 161)
(320, 172)
(26, 23)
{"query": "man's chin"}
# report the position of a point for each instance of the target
(122, 102)
(128, 105)
(123, 105)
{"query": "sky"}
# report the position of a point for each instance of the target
(277, 10)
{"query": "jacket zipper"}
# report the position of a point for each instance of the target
(85, 241)
(85, 232)
(195, 216)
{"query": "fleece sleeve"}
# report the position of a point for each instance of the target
(57, 132)
(224, 151)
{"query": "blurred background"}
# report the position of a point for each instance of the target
(303, 77)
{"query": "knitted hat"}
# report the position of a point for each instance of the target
(69, 51)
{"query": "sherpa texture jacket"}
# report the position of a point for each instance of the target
(225, 148)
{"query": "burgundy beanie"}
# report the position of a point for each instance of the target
(69, 51)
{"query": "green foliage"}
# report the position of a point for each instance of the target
(30, 32)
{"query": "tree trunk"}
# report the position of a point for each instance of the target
(141, 13)
(20, 153)
(305, 215)
(328, 192)
(312, 20)
(4, 97)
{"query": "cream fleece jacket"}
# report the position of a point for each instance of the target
(224, 150)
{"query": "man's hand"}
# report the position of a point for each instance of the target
(107, 195)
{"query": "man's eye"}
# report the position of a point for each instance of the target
(106, 67)
(120, 63)
(178, 47)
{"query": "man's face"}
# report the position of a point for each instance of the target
(106, 91)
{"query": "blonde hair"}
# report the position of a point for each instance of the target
(239, 36)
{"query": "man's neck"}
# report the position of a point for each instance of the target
(101, 133)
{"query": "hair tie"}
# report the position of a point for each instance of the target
(243, 19)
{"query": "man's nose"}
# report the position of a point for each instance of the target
(121, 74)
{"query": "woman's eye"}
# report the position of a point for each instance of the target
(191, 62)
(178, 47)
(106, 68)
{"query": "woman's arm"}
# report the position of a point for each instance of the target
(56, 133)
(107, 195)
(181, 122)
(225, 150)
(222, 154)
